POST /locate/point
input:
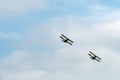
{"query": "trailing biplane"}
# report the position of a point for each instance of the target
(94, 57)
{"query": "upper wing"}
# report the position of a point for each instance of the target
(92, 53)
(62, 38)
(95, 55)
(70, 40)
(67, 38)
(98, 57)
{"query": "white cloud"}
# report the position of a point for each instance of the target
(98, 7)
(66, 62)
(12, 35)
(22, 6)
(112, 26)
(23, 75)
(82, 33)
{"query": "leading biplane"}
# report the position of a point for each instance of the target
(66, 40)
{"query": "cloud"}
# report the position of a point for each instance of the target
(88, 31)
(23, 75)
(17, 7)
(67, 62)
(16, 66)
(98, 7)
(64, 61)
(110, 27)
(11, 35)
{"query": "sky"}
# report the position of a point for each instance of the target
(32, 50)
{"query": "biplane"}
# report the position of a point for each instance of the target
(66, 40)
(94, 57)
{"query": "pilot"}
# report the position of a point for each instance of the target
(65, 40)
(93, 57)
